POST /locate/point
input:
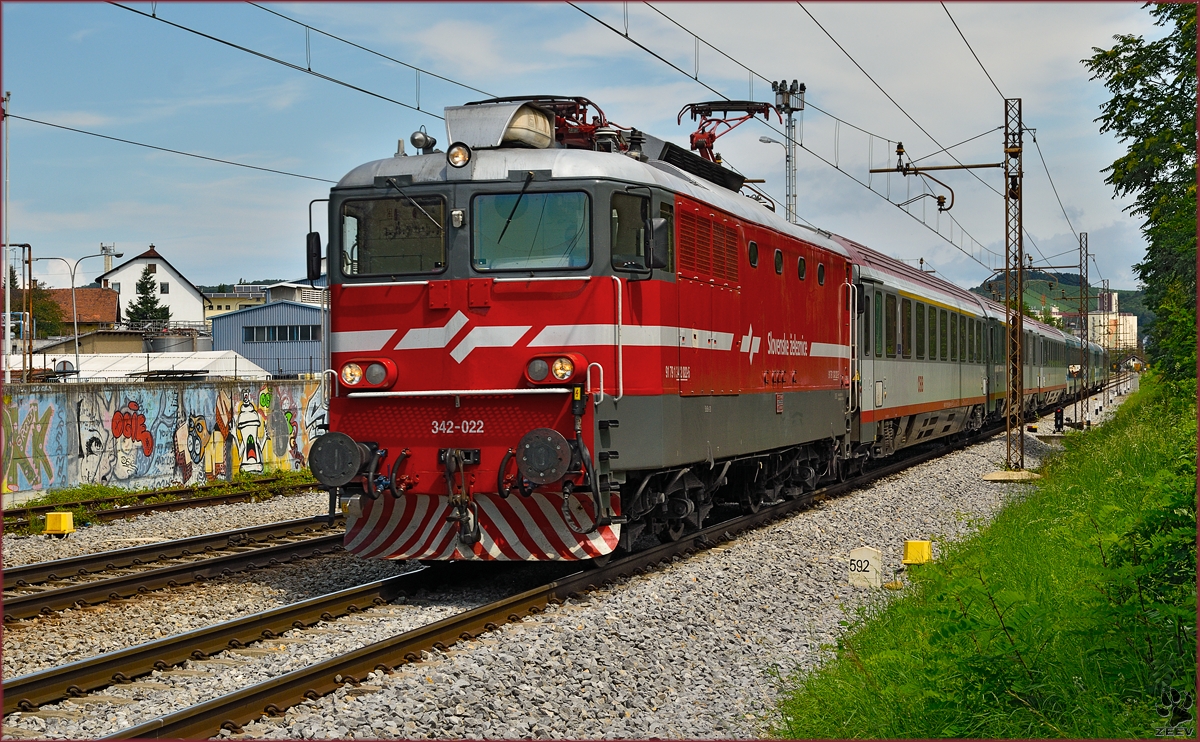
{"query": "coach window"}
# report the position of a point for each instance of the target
(920, 330)
(962, 338)
(821, 274)
(879, 324)
(971, 341)
(979, 341)
(394, 236)
(944, 336)
(890, 321)
(906, 328)
(801, 267)
(779, 262)
(627, 230)
(752, 253)
(933, 334)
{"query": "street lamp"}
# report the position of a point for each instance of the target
(789, 209)
(74, 310)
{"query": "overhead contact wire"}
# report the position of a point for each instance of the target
(172, 151)
(973, 174)
(772, 128)
(372, 51)
(973, 54)
(276, 60)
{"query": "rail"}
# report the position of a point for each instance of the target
(30, 574)
(29, 605)
(273, 696)
(54, 684)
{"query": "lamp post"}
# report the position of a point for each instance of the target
(788, 100)
(74, 310)
(788, 211)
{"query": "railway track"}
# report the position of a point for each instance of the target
(37, 589)
(23, 517)
(284, 691)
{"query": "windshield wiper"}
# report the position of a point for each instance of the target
(392, 183)
(528, 180)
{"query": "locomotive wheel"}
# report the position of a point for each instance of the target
(599, 562)
(673, 531)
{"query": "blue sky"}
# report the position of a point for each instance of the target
(107, 70)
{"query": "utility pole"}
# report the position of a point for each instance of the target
(1014, 266)
(1014, 286)
(1085, 330)
(788, 100)
(7, 357)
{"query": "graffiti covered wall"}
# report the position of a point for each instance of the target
(156, 434)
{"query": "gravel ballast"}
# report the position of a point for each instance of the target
(691, 650)
(163, 526)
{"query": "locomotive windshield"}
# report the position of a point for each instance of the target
(390, 236)
(531, 231)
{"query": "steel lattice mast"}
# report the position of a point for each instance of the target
(1014, 289)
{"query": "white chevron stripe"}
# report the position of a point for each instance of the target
(359, 341)
(501, 336)
(828, 350)
(432, 337)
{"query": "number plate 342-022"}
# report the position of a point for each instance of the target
(469, 427)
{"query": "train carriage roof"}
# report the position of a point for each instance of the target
(492, 165)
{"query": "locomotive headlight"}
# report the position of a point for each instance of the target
(352, 373)
(458, 154)
(376, 373)
(563, 368)
(537, 369)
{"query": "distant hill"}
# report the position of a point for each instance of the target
(227, 288)
(1046, 288)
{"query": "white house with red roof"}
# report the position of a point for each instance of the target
(172, 288)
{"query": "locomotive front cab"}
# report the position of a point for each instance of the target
(474, 313)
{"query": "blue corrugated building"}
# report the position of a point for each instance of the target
(283, 337)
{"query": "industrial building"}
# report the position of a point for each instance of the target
(283, 337)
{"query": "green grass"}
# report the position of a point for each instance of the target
(84, 515)
(1069, 616)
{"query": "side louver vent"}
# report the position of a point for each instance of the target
(707, 249)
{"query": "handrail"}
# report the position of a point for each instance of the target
(542, 278)
(588, 381)
(620, 347)
(325, 386)
(461, 392)
(384, 283)
(853, 321)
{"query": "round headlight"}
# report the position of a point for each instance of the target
(376, 373)
(352, 373)
(458, 154)
(563, 368)
(537, 369)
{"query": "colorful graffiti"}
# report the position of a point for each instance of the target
(34, 445)
(156, 435)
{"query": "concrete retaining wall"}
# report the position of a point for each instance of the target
(153, 435)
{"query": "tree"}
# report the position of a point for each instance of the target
(47, 315)
(1153, 108)
(146, 307)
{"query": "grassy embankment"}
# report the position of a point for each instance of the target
(1072, 615)
(84, 515)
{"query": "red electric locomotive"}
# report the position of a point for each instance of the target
(561, 336)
